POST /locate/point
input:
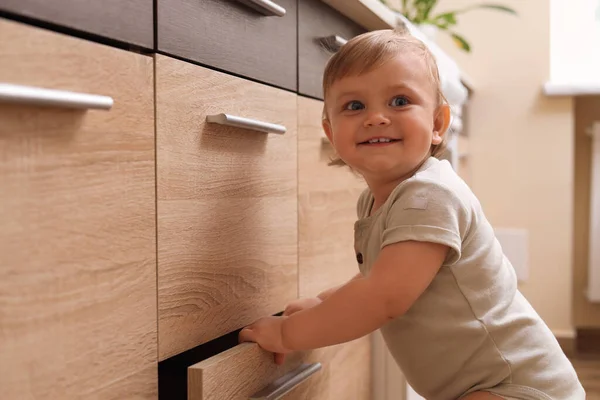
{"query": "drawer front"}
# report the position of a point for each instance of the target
(246, 371)
(227, 205)
(327, 203)
(130, 21)
(231, 36)
(345, 373)
(77, 239)
(317, 20)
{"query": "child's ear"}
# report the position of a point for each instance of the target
(327, 128)
(441, 124)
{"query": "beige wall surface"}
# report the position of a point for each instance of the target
(521, 144)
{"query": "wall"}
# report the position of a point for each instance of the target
(585, 314)
(575, 33)
(522, 144)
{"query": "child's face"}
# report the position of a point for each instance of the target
(396, 102)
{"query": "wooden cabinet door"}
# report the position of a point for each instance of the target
(227, 205)
(130, 21)
(327, 198)
(77, 232)
(318, 25)
(232, 36)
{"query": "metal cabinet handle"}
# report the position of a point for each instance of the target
(286, 383)
(266, 7)
(246, 123)
(333, 43)
(49, 97)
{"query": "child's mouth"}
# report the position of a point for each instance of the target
(379, 142)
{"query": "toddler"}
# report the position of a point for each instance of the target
(433, 278)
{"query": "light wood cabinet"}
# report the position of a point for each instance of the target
(77, 243)
(327, 207)
(227, 205)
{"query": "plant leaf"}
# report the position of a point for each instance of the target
(497, 7)
(448, 17)
(445, 20)
(460, 42)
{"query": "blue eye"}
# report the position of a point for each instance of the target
(354, 106)
(399, 101)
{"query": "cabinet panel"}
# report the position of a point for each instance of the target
(227, 205)
(316, 21)
(129, 21)
(77, 239)
(231, 36)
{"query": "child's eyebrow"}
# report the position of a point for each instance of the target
(350, 93)
(402, 86)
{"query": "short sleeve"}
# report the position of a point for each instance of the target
(426, 211)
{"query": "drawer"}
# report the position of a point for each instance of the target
(227, 204)
(327, 203)
(231, 36)
(128, 21)
(247, 372)
(318, 26)
(77, 239)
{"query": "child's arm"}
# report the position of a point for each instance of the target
(399, 276)
(308, 302)
(326, 293)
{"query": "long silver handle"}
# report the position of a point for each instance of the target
(266, 7)
(49, 97)
(333, 42)
(246, 123)
(286, 383)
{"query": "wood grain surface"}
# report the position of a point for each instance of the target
(77, 238)
(327, 204)
(227, 205)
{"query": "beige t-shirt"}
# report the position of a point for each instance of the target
(471, 329)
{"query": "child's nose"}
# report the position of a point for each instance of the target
(376, 119)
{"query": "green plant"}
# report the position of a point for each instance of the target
(420, 12)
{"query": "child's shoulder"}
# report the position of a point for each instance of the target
(436, 178)
(435, 182)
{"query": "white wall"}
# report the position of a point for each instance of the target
(575, 41)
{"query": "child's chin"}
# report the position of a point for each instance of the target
(381, 167)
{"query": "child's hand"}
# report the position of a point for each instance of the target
(267, 333)
(294, 307)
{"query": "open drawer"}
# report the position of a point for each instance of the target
(246, 372)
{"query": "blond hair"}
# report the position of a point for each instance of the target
(371, 50)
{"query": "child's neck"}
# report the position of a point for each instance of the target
(382, 187)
